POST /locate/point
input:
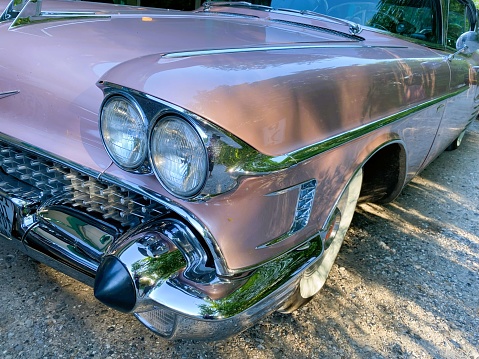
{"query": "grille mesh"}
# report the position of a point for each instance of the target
(50, 179)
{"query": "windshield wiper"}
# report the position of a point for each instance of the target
(207, 5)
(354, 28)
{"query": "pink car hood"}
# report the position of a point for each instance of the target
(246, 82)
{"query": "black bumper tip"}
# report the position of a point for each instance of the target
(114, 285)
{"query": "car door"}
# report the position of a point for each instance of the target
(461, 108)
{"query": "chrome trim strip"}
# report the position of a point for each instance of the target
(260, 164)
(306, 192)
(292, 158)
(8, 93)
(40, 152)
(250, 162)
(352, 27)
(174, 55)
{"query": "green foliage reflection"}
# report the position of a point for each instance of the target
(262, 283)
(159, 268)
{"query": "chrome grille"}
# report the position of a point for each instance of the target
(39, 179)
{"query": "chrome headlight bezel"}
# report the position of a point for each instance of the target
(141, 163)
(229, 158)
(189, 135)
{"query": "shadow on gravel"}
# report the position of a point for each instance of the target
(405, 285)
(424, 259)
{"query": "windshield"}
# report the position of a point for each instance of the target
(413, 18)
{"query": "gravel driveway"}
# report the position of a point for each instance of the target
(405, 285)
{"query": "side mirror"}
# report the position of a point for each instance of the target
(468, 42)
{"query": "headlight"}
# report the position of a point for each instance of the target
(124, 131)
(178, 156)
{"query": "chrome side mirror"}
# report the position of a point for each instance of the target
(467, 44)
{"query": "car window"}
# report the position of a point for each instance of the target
(413, 18)
(418, 19)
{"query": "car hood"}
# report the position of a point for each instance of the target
(256, 77)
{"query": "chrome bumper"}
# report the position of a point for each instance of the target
(138, 254)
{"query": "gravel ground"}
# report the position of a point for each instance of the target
(405, 285)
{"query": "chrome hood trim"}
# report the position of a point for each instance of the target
(174, 55)
(8, 93)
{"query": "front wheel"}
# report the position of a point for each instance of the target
(457, 142)
(314, 277)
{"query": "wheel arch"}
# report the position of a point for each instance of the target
(384, 173)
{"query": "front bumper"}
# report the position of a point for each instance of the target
(138, 254)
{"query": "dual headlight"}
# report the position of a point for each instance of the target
(172, 147)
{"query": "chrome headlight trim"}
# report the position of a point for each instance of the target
(133, 124)
(248, 161)
(178, 155)
(229, 158)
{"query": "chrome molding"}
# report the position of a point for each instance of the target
(8, 93)
(264, 291)
(304, 205)
(336, 141)
(353, 27)
(174, 55)
(252, 163)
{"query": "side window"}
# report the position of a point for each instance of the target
(458, 22)
(412, 18)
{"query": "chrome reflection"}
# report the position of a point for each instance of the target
(78, 231)
(304, 205)
(117, 200)
(179, 313)
(31, 13)
(160, 251)
(231, 158)
(8, 93)
(224, 151)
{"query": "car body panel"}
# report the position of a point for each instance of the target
(305, 107)
(321, 73)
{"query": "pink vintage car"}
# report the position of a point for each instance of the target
(200, 168)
